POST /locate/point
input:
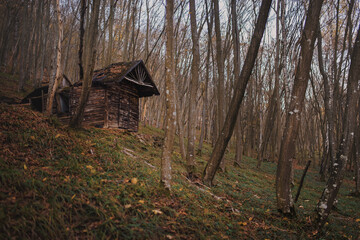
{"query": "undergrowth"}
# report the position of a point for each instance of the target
(62, 183)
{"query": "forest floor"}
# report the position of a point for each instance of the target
(62, 183)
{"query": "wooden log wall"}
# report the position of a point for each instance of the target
(94, 113)
(123, 106)
(116, 106)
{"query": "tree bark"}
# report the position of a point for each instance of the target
(111, 35)
(327, 102)
(236, 50)
(220, 69)
(284, 199)
(204, 118)
(332, 188)
(54, 83)
(273, 105)
(239, 91)
(195, 68)
(90, 58)
(165, 177)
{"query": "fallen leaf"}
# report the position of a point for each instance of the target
(32, 137)
(44, 179)
(141, 201)
(128, 206)
(73, 197)
(57, 135)
(242, 223)
(357, 220)
(157, 211)
(25, 167)
(250, 218)
(134, 180)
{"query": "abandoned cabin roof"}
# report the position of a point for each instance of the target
(134, 72)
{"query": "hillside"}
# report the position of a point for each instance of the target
(58, 182)
(62, 183)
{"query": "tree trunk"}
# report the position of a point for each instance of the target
(90, 58)
(110, 27)
(25, 28)
(287, 150)
(195, 68)
(239, 91)
(165, 177)
(332, 188)
(220, 69)
(272, 110)
(236, 50)
(357, 157)
(125, 56)
(204, 118)
(54, 83)
(327, 102)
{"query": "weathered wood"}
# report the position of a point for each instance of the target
(114, 107)
(106, 117)
(113, 99)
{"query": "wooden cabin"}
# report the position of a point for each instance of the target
(114, 96)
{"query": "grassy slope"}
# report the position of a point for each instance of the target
(57, 182)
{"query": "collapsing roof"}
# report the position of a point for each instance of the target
(134, 72)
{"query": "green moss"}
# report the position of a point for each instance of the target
(77, 183)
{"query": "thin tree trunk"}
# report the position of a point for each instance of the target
(23, 47)
(332, 188)
(204, 118)
(272, 111)
(90, 53)
(220, 69)
(330, 125)
(126, 39)
(239, 91)
(357, 156)
(284, 199)
(110, 27)
(190, 155)
(45, 42)
(55, 82)
(165, 177)
(236, 50)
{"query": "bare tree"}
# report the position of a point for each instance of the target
(165, 178)
(220, 69)
(54, 83)
(90, 57)
(239, 91)
(332, 188)
(236, 50)
(195, 67)
(287, 150)
(273, 105)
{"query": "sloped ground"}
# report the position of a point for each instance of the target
(61, 183)
(93, 183)
(8, 89)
